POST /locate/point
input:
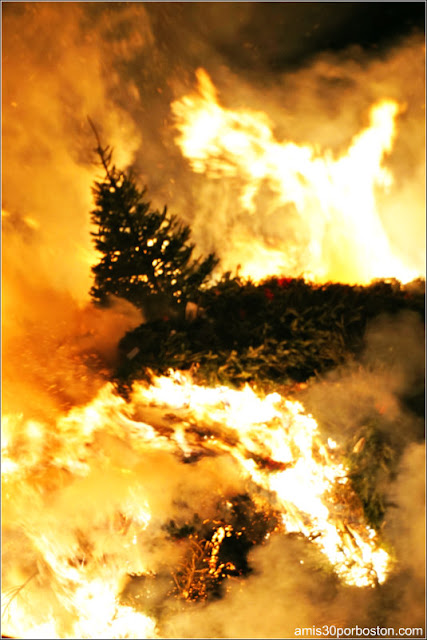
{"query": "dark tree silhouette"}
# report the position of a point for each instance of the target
(144, 252)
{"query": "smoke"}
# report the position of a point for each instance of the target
(289, 589)
(405, 527)
(78, 536)
(57, 69)
(290, 586)
(150, 486)
(324, 105)
(123, 64)
(377, 384)
(50, 85)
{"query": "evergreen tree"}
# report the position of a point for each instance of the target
(144, 252)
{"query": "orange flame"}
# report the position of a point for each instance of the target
(85, 539)
(333, 196)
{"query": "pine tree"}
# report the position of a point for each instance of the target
(144, 251)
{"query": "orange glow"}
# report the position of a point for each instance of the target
(335, 197)
(87, 540)
(90, 481)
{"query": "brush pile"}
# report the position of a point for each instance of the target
(283, 330)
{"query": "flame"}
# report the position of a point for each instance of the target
(277, 429)
(55, 478)
(334, 197)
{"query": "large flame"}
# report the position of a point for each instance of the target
(334, 196)
(71, 544)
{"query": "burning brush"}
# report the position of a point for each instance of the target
(84, 554)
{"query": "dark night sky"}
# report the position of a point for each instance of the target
(281, 36)
(275, 36)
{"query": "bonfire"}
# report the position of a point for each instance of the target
(159, 441)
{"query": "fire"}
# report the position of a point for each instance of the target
(276, 429)
(79, 511)
(333, 196)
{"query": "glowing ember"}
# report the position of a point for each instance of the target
(335, 197)
(78, 506)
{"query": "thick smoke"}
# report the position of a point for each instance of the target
(405, 527)
(377, 385)
(289, 589)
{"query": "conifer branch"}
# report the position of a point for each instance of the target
(104, 152)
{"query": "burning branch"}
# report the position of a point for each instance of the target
(13, 592)
(190, 579)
